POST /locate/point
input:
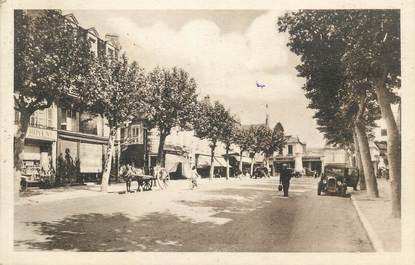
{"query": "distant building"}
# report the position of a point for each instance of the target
(291, 154)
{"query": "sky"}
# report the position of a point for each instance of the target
(226, 51)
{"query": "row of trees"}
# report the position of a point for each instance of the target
(350, 60)
(54, 63)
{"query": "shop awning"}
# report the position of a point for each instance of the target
(204, 161)
(31, 152)
(219, 161)
(244, 159)
(172, 161)
(90, 158)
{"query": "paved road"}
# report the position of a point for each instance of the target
(247, 215)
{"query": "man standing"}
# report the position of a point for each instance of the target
(194, 178)
(285, 177)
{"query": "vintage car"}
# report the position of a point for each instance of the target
(260, 172)
(298, 173)
(336, 179)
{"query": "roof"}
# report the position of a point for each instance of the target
(293, 139)
(71, 17)
(93, 31)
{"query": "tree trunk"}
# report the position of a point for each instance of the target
(371, 183)
(240, 162)
(212, 155)
(19, 139)
(393, 145)
(160, 153)
(272, 173)
(108, 160)
(362, 179)
(227, 163)
(252, 165)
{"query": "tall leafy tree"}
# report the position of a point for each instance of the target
(320, 38)
(242, 140)
(51, 58)
(274, 142)
(373, 56)
(211, 121)
(258, 135)
(116, 93)
(228, 137)
(171, 98)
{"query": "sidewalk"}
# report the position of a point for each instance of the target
(375, 214)
(35, 196)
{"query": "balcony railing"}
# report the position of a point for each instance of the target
(37, 125)
(132, 140)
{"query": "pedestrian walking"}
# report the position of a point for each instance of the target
(285, 177)
(194, 178)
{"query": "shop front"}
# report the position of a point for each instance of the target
(39, 154)
(203, 163)
(279, 161)
(83, 153)
(312, 164)
(178, 166)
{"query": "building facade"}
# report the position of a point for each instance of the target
(39, 153)
(292, 154)
(63, 133)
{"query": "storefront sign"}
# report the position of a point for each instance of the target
(41, 134)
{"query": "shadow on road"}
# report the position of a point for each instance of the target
(113, 232)
(164, 231)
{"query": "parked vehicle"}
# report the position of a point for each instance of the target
(260, 172)
(336, 179)
(298, 173)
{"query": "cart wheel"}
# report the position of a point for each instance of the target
(147, 185)
(23, 184)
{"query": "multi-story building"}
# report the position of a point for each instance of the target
(39, 151)
(60, 130)
(291, 154)
(85, 135)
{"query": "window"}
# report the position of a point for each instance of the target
(290, 149)
(137, 134)
(383, 132)
(88, 124)
(49, 117)
(67, 117)
(280, 151)
(38, 119)
(122, 133)
(63, 119)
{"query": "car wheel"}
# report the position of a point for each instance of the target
(344, 191)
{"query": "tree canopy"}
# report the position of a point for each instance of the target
(171, 98)
(51, 58)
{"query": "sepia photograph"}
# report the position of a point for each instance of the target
(206, 131)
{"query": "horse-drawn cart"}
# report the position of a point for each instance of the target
(144, 182)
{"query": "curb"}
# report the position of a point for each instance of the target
(373, 237)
